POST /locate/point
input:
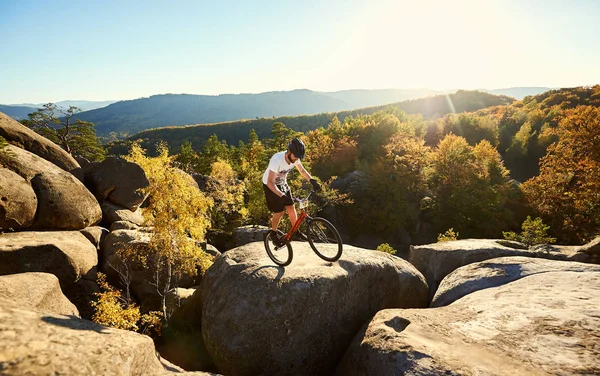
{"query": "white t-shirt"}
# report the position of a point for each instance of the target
(280, 167)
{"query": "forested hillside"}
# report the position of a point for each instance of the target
(403, 179)
(129, 117)
(233, 132)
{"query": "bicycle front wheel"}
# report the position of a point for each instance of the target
(324, 239)
(282, 256)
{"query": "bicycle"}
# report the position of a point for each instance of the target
(323, 237)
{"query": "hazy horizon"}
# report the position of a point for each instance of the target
(113, 51)
(271, 91)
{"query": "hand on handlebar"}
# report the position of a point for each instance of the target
(315, 184)
(286, 200)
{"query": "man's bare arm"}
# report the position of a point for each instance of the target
(271, 183)
(303, 172)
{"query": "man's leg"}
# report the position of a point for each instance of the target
(291, 210)
(275, 220)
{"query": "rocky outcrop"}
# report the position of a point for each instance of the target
(114, 213)
(64, 203)
(496, 272)
(437, 260)
(18, 202)
(118, 181)
(261, 319)
(543, 324)
(140, 276)
(33, 343)
(23, 137)
(249, 234)
(123, 225)
(69, 255)
(94, 234)
(36, 291)
(589, 252)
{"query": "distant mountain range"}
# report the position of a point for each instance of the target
(132, 116)
(235, 131)
(518, 92)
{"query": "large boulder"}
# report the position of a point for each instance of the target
(437, 260)
(249, 234)
(69, 255)
(258, 318)
(64, 203)
(36, 291)
(496, 272)
(114, 213)
(119, 181)
(34, 343)
(543, 324)
(18, 202)
(23, 137)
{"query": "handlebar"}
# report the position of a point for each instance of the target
(296, 199)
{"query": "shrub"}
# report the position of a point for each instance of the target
(115, 311)
(534, 232)
(448, 236)
(385, 247)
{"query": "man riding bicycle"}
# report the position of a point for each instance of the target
(277, 191)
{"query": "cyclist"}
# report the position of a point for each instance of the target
(277, 191)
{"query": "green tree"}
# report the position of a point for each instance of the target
(76, 136)
(280, 136)
(213, 151)
(187, 159)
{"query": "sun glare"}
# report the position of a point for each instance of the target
(429, 44)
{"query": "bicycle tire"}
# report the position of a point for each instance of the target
(279, 256)
(323, 238)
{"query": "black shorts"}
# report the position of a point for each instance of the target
(273, 201)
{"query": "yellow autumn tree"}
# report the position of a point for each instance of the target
(178, 214)
(227, 193)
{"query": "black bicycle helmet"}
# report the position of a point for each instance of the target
(296, 146)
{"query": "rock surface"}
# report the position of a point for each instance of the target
(497, 272)
(94, 234)
(249, 234)
(33, 343)
(64, 203)
(18, 202)
(114, 213)
(543, 324)
(437, 260)
(36, 291)
(69, 255)
(118, 181)
(258, 318)
(23, 137)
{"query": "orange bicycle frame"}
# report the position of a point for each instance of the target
(296, 225)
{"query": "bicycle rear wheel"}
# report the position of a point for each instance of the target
(324, 239)
(282, 256)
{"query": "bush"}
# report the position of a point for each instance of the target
(115, 311)
(448, 236)
(385, 247)
(534, 232)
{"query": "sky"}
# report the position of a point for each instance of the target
(114, 50)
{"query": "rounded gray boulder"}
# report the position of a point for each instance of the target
(258, 318)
